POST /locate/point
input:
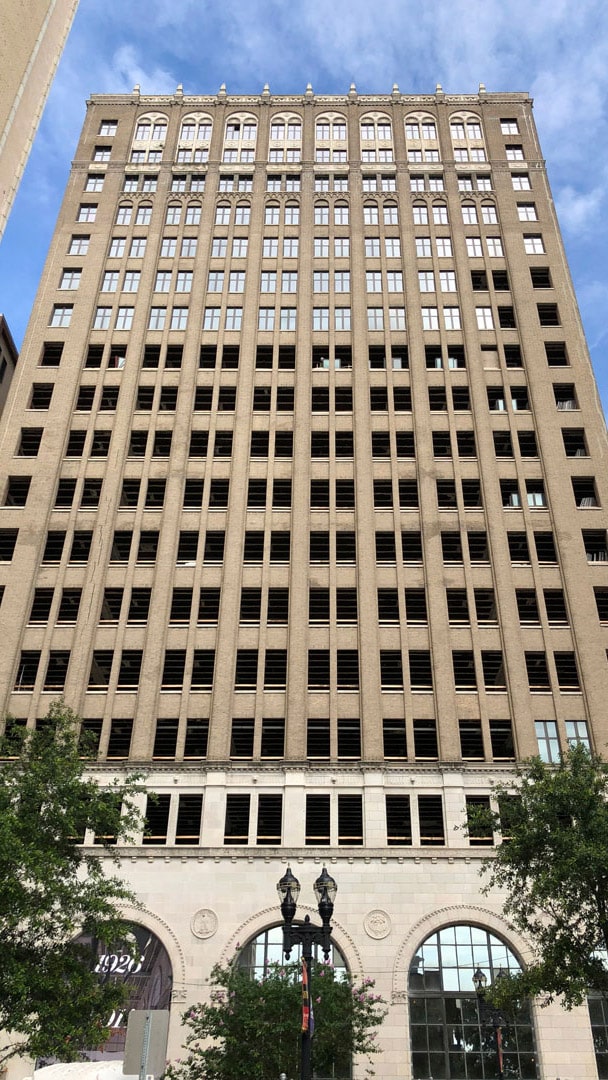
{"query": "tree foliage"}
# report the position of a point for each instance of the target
(51, 889)
(251, 1030)
(553, 867)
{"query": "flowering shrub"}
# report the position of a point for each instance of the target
(251, 1029)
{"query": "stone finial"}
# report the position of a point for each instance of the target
(395, 91)
(309, 90)
(180, 90)
(439, 88)
(222, 91)
(482, 88)
(266, 90)
(352, 90)
(136, 90)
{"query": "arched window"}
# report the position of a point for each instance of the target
(451, 1036)
(144, 966)
(267, 948)
(123, 215)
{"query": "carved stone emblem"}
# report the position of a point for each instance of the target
(377, 924)
(204, 923)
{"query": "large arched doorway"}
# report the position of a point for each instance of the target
(261, 960)
(145, 970)
(450, 1038)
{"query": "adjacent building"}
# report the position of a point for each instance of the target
(8, 360)
(304, 508)
(33, 35)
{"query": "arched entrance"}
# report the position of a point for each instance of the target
(147, 974)
(450, 1039)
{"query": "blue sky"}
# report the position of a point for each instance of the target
(555, 49)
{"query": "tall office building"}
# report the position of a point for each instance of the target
(33, 35)
(305, 508)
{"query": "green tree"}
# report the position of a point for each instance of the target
(553, 867)
(251, 1030)
(51, 889)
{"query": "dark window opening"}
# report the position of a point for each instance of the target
(398, 821)
(165, 739)
(451, 547)
(463, 662)
(458, 607)
(156, 820)
(197, 735)
(278, 605)
(52, 352)
(236, 828)
(214, 547)
(527, 607)
(555, 603)
(207, 356)
(275, 669)
(501, 740)
(317, 820)
(557, 355)
(349, 738)
(65, 493)
(273, 738)
(173, 356)
(391, 669)
(173, 669)
(101, 666)
(318, 739)
(415, 607)
(350, 820)
(567, 671)
(494, 675)
(270, 818)
(151, 357)
(139, 605)
(420, 670)
(548, 315)
(119, 745)
(394, 739)
(130, 669)
(430, 819)
(513, 358)
(538, 672)
(189, 814)
(446, 495)
(426, 746)
(545, 547)
(241, 738)
(471, 740)
(203, 664)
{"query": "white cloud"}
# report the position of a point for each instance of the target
(578, 211)
(127, 69)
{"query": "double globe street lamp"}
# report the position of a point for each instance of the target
(306, 934)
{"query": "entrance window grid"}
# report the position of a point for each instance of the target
(448, 1035)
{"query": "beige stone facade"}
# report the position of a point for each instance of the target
(305, 510)
(33, 35)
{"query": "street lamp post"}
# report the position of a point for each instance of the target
(488, 1014)
(307, 934)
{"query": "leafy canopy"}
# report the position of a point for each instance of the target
(553, 867)
(251, 1030)
(51, 889)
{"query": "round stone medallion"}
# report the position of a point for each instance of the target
(377, 924)
(204, 923)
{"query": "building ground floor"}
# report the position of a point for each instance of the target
(413, 920)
